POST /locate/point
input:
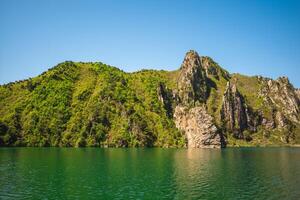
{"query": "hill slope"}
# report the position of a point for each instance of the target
(199, 105)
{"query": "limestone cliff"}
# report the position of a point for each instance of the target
(265, 105)
(199, 128)
(234, 111)
(190, 114)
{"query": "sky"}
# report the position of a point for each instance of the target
(249, 37)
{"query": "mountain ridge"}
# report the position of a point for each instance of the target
(199, 105)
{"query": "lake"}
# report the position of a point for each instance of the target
(154, 173)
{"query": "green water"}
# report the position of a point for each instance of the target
(93, 173)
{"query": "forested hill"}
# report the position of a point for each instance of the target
(87, 104)
(199, 105)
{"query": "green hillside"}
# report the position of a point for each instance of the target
(87, 104)
(77, 104)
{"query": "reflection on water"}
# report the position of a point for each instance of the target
(91, 173)
(250, 173)
(195, 174)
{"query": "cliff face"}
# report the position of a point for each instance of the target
(281, 95)
(190, 114)
(192, 81)
(198, 127)
(276, 109)
(200, 105)
(234, 111)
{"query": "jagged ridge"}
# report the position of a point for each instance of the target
(199, 105)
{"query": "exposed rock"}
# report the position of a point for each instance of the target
(277, 120)
(102, 105)
(212, 69)
(268, 123)
(192, 84)
(297, 91)
(199, 127)
(189, 115)
(234, 111)
(281, 95)
(281, 121)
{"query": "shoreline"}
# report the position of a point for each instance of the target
(228, 146)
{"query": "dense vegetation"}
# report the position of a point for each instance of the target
(87, 104)
(93, 104)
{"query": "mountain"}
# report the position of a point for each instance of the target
(199, 105)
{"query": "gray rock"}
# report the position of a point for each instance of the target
(234, 111)
(281, 95)
(198, 126)
(192, 81)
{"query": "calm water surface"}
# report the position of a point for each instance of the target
(92, 173)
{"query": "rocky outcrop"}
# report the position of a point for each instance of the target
(281, 121)
(277, 121)
(198, 77)
(198, 126)
(281, 95)
(192, 81)
(234, 112)
(212, 69)
(297, 92)
(269, 123)
(99, 105)
(190, 113)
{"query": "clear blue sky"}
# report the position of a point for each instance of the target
(249, 37)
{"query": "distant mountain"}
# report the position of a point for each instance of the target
(199, 105)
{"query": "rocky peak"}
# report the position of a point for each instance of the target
(190, 114)
(192, 84)
(283, 80)
(191, 59)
